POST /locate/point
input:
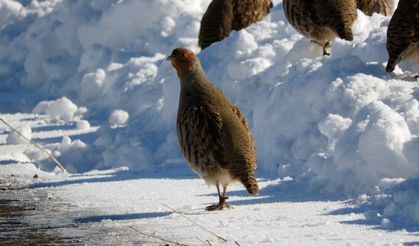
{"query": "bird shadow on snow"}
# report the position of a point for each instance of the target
(118, 175)
(282, 191)
(120, 217)
(85, 137)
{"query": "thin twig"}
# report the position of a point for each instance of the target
(193, 222)
(36, 145)
(173, 235)
(208, 242)
(157, 237)
(237, 243)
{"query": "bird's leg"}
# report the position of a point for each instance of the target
(222, 200)
(326, 46)
(224, 197)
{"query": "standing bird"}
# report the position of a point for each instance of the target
(384, 7)
(403, 34)
(213, 134)
(322, 20)
(223, 16)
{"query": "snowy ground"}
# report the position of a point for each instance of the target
(107, 207)
(336, 136)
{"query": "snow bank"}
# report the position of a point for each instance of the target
(63, 109)
(403, 203)
(338, 124)
(16, 138)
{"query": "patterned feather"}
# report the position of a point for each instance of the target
(403, 34)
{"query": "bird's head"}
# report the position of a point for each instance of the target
(184, 61)
(267, 7)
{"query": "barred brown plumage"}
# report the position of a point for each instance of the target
(403, 34)
(213, 134)
(384, 7)
(223, 16)
(322, 20)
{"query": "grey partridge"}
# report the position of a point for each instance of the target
(213, 134)
(223, 16)
(322, 20)
(384, 7)
(403, 34)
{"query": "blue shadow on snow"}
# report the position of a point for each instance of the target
(113, 217)
(123, 175)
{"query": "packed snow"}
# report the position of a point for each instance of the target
(336, 126)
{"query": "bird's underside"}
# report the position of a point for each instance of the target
(322, 21)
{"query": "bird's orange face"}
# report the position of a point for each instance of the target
(182, 60)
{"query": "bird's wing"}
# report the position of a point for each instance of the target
(247, 12)
(401, 33)
(302, 16)
(243, 120)
(338, 15)
(369, 7)
(204, 128)
(216, 23)
(416, 21)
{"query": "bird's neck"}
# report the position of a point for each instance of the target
(196, 78)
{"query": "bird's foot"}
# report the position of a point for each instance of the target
(220, 206)
(326, 48)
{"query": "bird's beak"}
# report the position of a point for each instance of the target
(169, 58)
(271, 5)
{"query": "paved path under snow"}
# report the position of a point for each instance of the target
(120, 207)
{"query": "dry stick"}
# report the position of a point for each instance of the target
(173, 235)
(193, 222)
(36, 145)
(157, 237)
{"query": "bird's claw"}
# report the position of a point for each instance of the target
(218, 206)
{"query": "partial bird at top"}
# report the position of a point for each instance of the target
(223, 16)
(384, 7)
(322, 20)
(403, 34)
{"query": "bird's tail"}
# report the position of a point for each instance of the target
(345, 32)
(249, 181)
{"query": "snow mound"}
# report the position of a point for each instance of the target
(60, 109)
(118, 118)
(16, 138)
(403, 204)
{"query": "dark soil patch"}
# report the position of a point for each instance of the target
(19, 213)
